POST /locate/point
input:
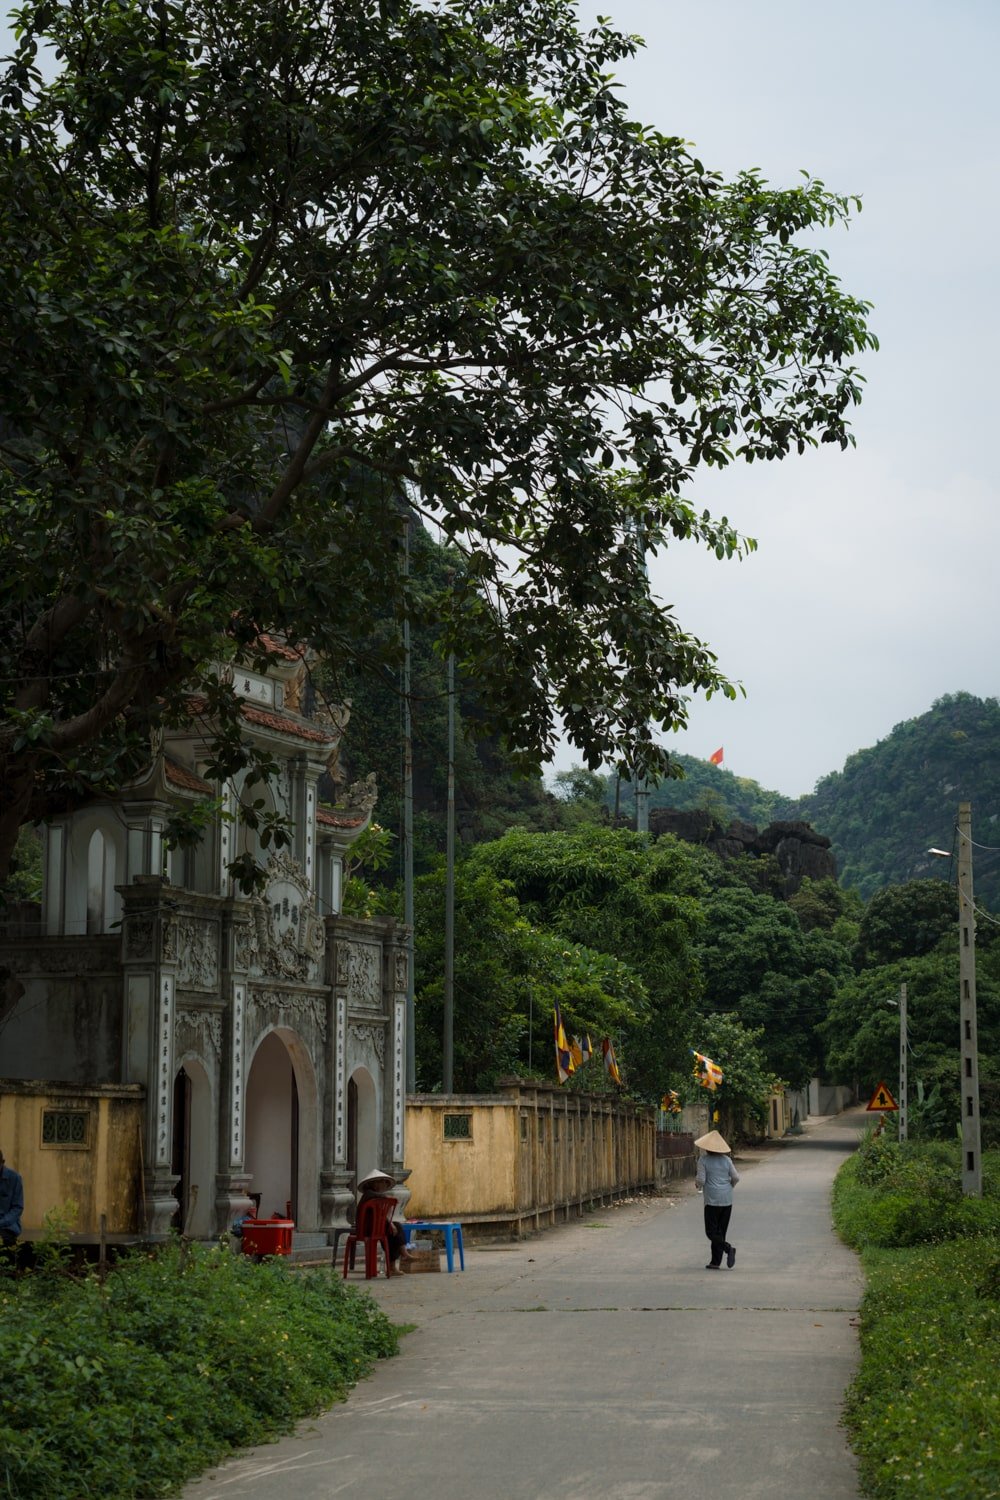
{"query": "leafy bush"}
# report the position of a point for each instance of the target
(891, 1194)
(924, 1409)
(129, 1388)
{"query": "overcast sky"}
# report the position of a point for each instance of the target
(872, 592)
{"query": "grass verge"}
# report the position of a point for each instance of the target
(126, 1390)
(924, 1409)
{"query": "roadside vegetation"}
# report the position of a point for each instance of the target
(129, 1386)
(924, 1409)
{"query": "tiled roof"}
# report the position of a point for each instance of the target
(275, 647)
(334, 819)
(285, 725)
(180, 776)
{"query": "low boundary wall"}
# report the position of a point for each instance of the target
(529, 1156)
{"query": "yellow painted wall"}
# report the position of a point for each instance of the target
(462, 1177)
(103, 1177)
(533, 1152)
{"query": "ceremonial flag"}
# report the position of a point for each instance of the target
(715, 758)
(671, 1102)
(610, 1061)
(576, 1052)
(708, 1073)
(586, 1046)
(564, 1058)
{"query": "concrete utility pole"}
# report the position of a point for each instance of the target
(972, 1169)
(902, 1119)
(411, 1035)
(641, 789)
(448, 1038)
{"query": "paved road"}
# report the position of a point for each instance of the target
(601, 1359)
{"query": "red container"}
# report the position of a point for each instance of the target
(267, 1236)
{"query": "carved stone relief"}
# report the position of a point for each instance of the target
(266, 1006)
(400, 974)
(368, 1038)
(198, 956)
(359, 969)
(286, 939)
(198, 1031)
(139, 937)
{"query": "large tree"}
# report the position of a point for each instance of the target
(252, 249)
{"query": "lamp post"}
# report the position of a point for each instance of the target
(972, 1167)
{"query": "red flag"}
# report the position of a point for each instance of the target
(715, 758)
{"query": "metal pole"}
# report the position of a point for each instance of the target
(972, 1168)
(902, 1118)
(641, 805)
(411, 1037)
(448, 1038)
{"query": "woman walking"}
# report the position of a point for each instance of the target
(716, 1177)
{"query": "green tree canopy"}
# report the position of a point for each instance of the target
(758, 963)
(248, 253)
(747, 1078)
(509, 975)
(611, 890)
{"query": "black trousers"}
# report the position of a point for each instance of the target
(716, 1224)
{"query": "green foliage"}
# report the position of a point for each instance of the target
(694, 783)
(245, 263)
(894, 801)
(904, 921)
(894, 1194)
(509, 975)
(922, 1410)
(24, 882)
(757, 962)
(611, 890)
(861, 1032)
(747, 1078)
(130, 1388)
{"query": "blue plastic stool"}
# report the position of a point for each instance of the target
(452, 1231)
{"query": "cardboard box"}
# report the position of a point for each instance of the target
(412, 1261)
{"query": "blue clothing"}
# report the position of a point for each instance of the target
(11, 1201)
(717, 1176)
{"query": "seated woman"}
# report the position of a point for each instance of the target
(377, 1184)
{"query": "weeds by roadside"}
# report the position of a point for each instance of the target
(924, 1409)
(125, 1390)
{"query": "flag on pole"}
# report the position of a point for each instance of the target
(564, 1058)
(715, 758)
(610, 1061)
(708, 1073)
(671, 1102)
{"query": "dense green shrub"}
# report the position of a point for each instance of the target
(924, 1410)
(898, 1194)
(129, 1388)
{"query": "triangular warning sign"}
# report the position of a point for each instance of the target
(882, 1099)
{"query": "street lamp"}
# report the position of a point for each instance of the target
(972, 1167)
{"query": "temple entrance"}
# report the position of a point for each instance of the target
(272, 1125)
(362, 1124)
(191, 1157)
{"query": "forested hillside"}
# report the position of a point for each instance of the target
(893, 802)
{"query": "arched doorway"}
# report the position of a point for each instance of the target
(282, 1152)
(193, 1154)
(362, 1123)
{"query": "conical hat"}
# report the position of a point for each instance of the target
(375, 1175)
(713, 1142)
